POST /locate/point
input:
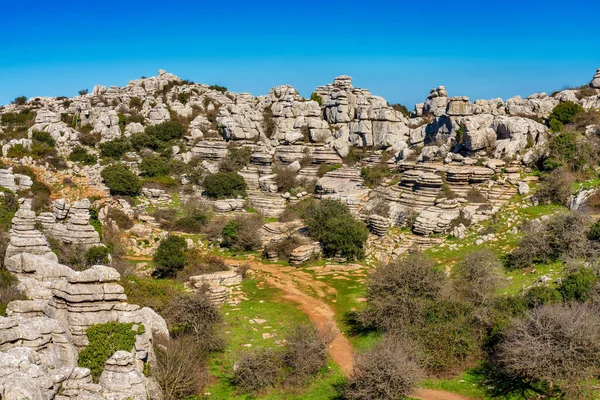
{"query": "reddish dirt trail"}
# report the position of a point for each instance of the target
(321, 315)
(430, 394)
(292, 282)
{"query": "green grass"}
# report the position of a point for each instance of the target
(264, 303)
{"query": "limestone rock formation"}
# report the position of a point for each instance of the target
(595, 82)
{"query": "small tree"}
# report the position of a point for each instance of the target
(237, 158)
(331, 223)
(197, 316)
(477, 276)
(224, 184)
(388, 372)
(170, 256)
(243, 233)
(558, 344)
(83, 92)
(115, 148)
(20, 101)
(399, 292)
(120, 180)
(180, 368)
(257, 370)
(305, 354)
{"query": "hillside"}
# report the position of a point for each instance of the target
(174, 240)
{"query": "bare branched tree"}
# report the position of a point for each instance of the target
(557, 343)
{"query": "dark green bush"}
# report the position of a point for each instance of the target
(315, 97)
(154, 166)
(166, 131)
(104, 341)
(578, 285)
(79, 154)
(594, 233)
(115, 148)
(8, 285)
(120, 180)
(141, 140)
(540, 295)
(20, 101)
(17, 151)
(150, 292)
(170, 256)
(565, 112)
(331, 223)
(218, 88)
(135, 102)
(224, 185)
(43, 137)
(97, 255)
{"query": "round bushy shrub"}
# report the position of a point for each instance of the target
(79, 154)
(97, 255)
(331, 223)
(120, 180)
(224, 185)
(565, 112)
(578, 285)
(166, 131)
(154, 166)
(170, 256)
(115, 148)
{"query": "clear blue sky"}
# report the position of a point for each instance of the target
(397, 49)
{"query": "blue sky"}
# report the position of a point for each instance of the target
(399, 50)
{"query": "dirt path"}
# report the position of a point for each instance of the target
(430, 394)
(321, 315)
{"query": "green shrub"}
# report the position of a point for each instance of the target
(402, 108)
(166, 131)
(41, 150)
(104, 340)
(325, 168)
(257, 370)
(115, 148)
(315, 97)
(141, 140)
(154, 166)
(20, 101)
(594, 233)
(120, 180)
(237, 158)
(578, 285)
(17, 151)
(565, 112)
(269, 125)
(540, 295)
(556, 126)
(285, 178)
(87, 138)
(43, 137)
(331, 223)
(8, 207)
(242, 233)
(135, 102)
(95, 221)
(120, 218)
(97, 255)
(224, 185)
(170, 256)
(79, 154)
(150, 292)
(165, 182)
(218, 88)
(373, 176)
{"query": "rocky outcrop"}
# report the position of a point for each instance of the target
(77, 229)
(305, 253)
(595, 82)
(25, 238)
